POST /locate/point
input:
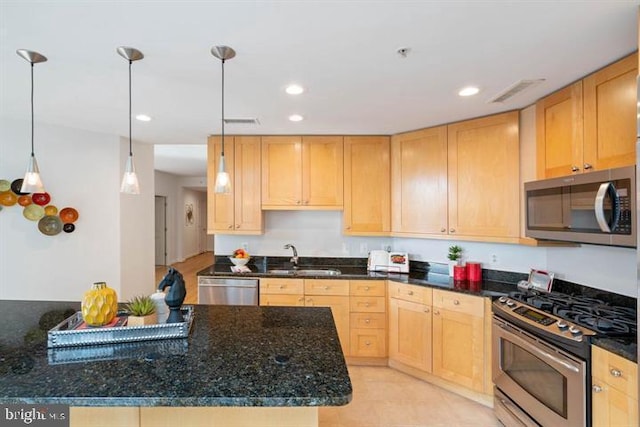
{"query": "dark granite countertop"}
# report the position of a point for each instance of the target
(430, 275)
(623, 347)
(234, 356)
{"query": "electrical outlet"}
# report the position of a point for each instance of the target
(494, 259)
(363, 248)
(245, 246)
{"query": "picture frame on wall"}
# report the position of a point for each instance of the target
(189, 214)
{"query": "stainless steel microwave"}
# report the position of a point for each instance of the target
(595, 207)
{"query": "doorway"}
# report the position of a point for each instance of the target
(161, 230)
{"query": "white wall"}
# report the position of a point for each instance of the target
(166, 185)
(83, 170)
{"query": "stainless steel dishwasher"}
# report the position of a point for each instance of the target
(227, 291)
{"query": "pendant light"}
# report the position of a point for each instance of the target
(32, 183)
(130, 183)
(223, 182)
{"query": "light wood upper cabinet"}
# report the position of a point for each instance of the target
(610, 115)
(484, 164)
(302, 172)
(559, 132)
(367, 190)
(419, 182)
(590, 125)
(240, 211)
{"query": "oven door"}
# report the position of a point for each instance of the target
(547, 383)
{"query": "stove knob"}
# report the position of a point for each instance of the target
(562, 325)
(575, 331)
(502, 300)
(511, 303)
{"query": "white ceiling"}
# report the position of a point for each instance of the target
(343, 52)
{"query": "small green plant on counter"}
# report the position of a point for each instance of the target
(455, 253)
(141, 306)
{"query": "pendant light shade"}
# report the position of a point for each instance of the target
(130, 183)
(32, 183)
(223, 181)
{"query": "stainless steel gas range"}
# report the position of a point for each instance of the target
(542, 355)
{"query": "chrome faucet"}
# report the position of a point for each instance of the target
(294, 258)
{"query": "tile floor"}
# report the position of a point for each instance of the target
(384, 397)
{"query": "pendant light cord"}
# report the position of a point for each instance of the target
(222, 153)
(32, 151)
(130, 150)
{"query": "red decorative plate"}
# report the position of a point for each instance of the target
(41, 198)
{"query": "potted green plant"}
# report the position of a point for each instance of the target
(142, 311)
(454, 255)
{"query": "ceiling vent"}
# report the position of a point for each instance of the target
(241, 121)
(513, 90)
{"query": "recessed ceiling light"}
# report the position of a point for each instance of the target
(143, 118)
(296, 118)
(468, 91)
(294, 89)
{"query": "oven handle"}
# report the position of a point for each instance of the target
(529, 346)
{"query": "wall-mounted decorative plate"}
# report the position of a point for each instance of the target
(68, 215)
(33, 212)
(41, 199)
(8, 198)
(50, 225)
(5, 185)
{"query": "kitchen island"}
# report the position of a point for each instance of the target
(240, 366)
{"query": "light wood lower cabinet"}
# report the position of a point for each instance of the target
(368, 326)
(283, 292)
(410, 333)
(614, 389)
(442, 337)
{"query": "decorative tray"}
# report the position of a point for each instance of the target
(147, 350)
(71, 332)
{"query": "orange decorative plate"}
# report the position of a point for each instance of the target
(68, 215)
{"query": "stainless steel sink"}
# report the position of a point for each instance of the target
(307, 272)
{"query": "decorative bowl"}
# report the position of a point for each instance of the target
(239, 262)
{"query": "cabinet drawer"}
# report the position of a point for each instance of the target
(282, 299)
(373, 288)
(411, 293)
(326, 287)
(368, 304)
(615, 370)
(368, 343)
(461, 303)
(281, 286)
(368, 320)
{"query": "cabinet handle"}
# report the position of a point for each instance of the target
(281, 286)
(367, 343)
(326, 288)
(297, 202)
(596, 388)
(367, 321)
(426, 310)
(300, 299)
(436, 312)
(587, 166)
(348, 228)
(230, 227)
(310, 300)
(615, 372)
(238, 226)
(575, 169)
(366, 304)
(456, 302)
(366, 288)
(410, 292)
(306, 202)
(452, 230)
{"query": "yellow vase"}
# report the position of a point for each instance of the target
(99, 304)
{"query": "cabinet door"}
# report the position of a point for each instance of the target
(322, 172)
(281, 172)
(458, 348)
(368, 343)
(611, 407)
(220, 207)
(484, 174)
(340, 309)
(410, 334)
(419, 182)
(559, 132)
(610, 116)
(367, 186)
(246, 185)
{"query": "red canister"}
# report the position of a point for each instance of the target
(459, 272)
(474, 271)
